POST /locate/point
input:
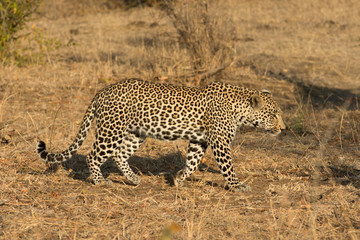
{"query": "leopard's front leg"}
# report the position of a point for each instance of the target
(221, 149)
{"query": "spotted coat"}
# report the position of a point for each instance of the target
(129, 111)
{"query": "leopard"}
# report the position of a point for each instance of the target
(131, 110)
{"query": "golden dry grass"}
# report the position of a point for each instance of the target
(305, 183)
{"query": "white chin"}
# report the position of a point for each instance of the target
(274, 134)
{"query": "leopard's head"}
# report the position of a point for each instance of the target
(266, 114)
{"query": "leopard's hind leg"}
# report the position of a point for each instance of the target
(94, 162)
(104, 147)
(128, 146)
(193, 158)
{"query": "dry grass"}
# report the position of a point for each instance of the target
(208, 37)
(305, 182)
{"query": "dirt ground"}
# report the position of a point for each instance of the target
(305, 182)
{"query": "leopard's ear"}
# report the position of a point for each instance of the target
(265, 91)
(256, 102)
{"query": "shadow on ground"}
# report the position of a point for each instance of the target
(323, 97)
(319, 97)
(167, 166)
(345, 175)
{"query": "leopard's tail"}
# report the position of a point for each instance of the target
(83, 132)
